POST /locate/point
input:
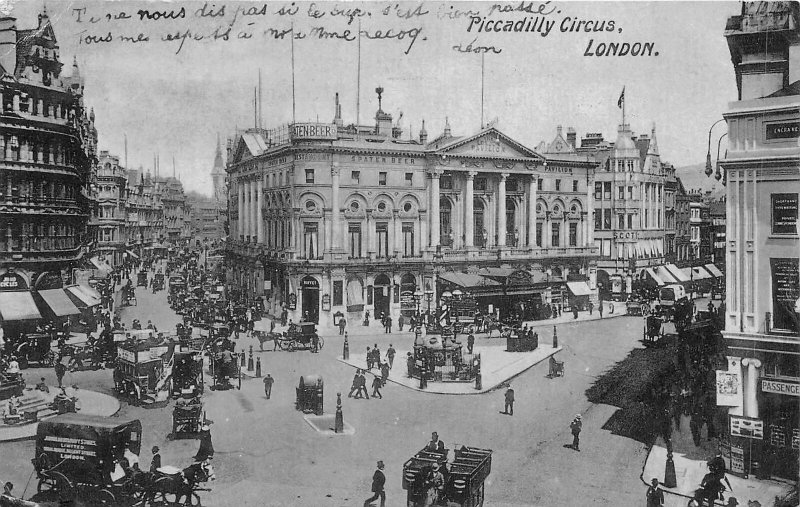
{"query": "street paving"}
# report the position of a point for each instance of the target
(267, 455)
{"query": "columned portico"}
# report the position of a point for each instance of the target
(336, 228)
(434, 216)
(501, 210)
(532, 187)
(469, 219)
(240, 219)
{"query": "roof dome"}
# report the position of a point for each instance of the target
(624, 146)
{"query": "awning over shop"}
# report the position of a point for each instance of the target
(496, 272)
(100, 265)
(697, 273)
(665, 275)
(59, 302)
(654, 276)
(467, 279)
(714, 271)
(18, 305)
(677, 273)
(132, 254)
(579, 288)
(82, 296)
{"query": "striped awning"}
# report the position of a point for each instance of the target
(83, 296)
(18, 305)
(59, 303)
(714, 270)
(677, 273)
(665, 275)
(654, 276)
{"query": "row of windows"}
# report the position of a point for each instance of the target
(22, 149)
(35, 237)
(35, 106)
(13, 185)
(602, 220)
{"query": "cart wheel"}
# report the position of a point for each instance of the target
(104, 497)
(321, 343)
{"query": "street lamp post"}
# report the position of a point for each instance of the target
(429, 298)
(709, 169)
(418, 298)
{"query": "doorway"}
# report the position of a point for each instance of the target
(382, 291)
(310, 287)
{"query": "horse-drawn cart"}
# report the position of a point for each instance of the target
(187, 418)
(301, 336)
(35, 348)
(430, 481)
(637, 307)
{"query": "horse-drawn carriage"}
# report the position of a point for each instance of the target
(34, 348)
(158, 282)
(139, 369)
(637, 307)
(95, 460)
(84, 356)
(187, 373)
(187, 418)
(653, 329)
(141, 279)
(128, 296)
(429, 480)
(302, 335)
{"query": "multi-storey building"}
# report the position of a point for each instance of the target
(207, 221)
(47, 155)
(716, 213)
(326, 218)
(110, 181)
(762, 307)
(629, 210)
(670, 213)
(699, 231)
(683, 249)
(144, 227)
(177, 214)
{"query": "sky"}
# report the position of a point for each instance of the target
(172, 100)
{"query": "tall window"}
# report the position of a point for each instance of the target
(382, 232)
(630, 221)
(607, 190)
(558, 185)
(630, 192)
(408, 239)
(574, 185)
(620, 221)
(354, 233)
(480, 184)
(598, 191)
(621, 192)
(355, 177)
(539, 184)
(556, 234)
(606, 219)
(538, 234)
(382, 179)
(598, 220)
(310, 241)
(445, 230)
(573, 234)
(409, 179)
(309, 175)
(446, 182)
(646, 218)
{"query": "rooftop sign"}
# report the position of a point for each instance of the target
(309, 131)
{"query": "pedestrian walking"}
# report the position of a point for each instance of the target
(61, 369)
(591, 307)
(600, 308)
(387, 323)
(268, 381)
(470, 343)
(376, 387)
(369, 359)
(575, 311)
(271, 326)
(206, 449)
(390, 353)
(376, 357)
(509, 405)
(655, 497)
(410, 364)
(342, 325)
(576, 425)
(155, 463)
(362, 386)
(384, 372)
(378, 481)
(354, 385)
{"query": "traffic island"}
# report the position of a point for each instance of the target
(325, 424)
(40, 403)
(497, 367)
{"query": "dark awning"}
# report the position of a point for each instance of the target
(467, 280)
(59, 303)
(18, 305)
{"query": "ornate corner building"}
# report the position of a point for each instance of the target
(47, 159)
(327, 218)
(762, 305)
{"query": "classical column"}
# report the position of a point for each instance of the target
(241, 214)
(336, 226)
(328, 229)
(751, 387)
(434, 216)
(532, 189)
(397, 240)
(547, 242)
(371, 235)
(501, 210)
(254, 221)
(469, 218)
(590, 214)
(423, 234)
(259, 210)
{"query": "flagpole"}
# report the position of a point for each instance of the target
(293, 96)
(623, 107)
(358, 79)
(482, 86)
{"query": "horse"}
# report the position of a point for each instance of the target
(263, 337)
(181, 484)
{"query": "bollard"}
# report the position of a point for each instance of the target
(339, 427)
(670, 479)
(345, 349)
(478, 382)
(250, 363)
(423, 382)
(258, 367)
(555, 338)
(242, 359)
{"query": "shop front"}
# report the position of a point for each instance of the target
(309, 287)
(780, 411)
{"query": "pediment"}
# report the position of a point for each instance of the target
(489, 143)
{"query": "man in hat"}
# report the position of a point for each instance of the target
(438, 481)
(576, 426)
(655, 497)
(435, 445)
(206, 450)
(509, 408)
(42, 386)
(268, 381)
(378, 481)
(155, 463)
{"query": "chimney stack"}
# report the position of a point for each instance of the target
(571, 136)
(423, 134)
